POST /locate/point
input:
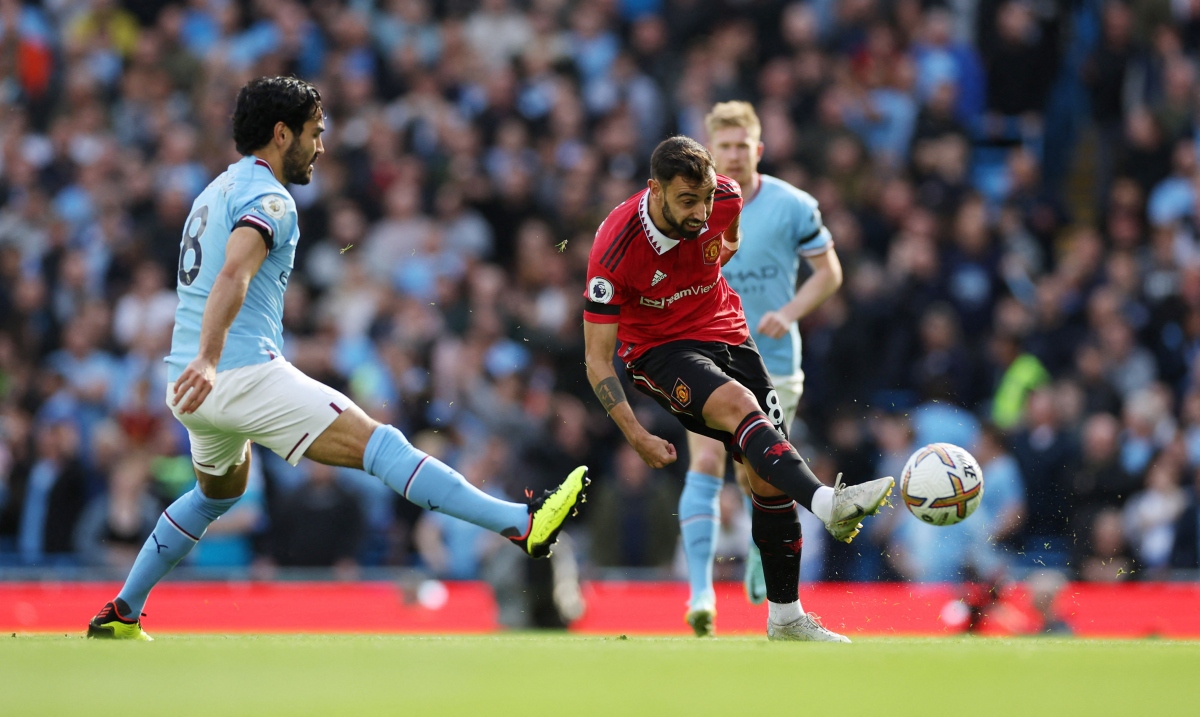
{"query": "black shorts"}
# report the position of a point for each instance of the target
(681, 376)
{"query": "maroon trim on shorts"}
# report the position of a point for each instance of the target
(289, 455)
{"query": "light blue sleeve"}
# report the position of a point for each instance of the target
(262, 207)
(812, 238)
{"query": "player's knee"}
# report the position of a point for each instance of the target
(728, 408)
(747, 404)
(231, 485)
(344, 443)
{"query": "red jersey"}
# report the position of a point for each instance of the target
(657, 289)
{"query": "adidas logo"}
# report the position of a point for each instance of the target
(658, 276)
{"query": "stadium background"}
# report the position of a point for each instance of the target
(1011, 186)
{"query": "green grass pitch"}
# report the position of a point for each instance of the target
(525, 674)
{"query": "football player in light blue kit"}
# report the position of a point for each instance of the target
(230, 385)
(780, 224)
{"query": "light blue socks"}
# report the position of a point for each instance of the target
(700, 521)
(179, 528)
(433, 485)
(420, 478)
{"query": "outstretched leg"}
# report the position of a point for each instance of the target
(355, 440)
(766, 451)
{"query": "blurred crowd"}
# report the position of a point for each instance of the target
(1012, 186)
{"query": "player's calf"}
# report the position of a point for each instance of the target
(775, 528)
(178, 530)
(433, 485)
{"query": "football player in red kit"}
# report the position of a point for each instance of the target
(655, 296)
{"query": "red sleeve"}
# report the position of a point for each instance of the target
(727, 203)
(603, 295)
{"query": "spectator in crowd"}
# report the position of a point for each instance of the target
(319, 524)
(1019, 55)
(1019, 374)
(114, 525)
(1108, 559)
(1105, 75)
(632, 515)
(147, 310)
(1185, 553)
(1101, 481)
(925, 553)
(52, 496)
(1003, 513)
(1046, 454)
(1149, 516)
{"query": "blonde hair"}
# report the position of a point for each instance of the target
(733, 114)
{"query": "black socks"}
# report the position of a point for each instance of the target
(776, 530)
(774, 459)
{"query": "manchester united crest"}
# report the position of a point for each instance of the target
(712, 250)
(682, 392)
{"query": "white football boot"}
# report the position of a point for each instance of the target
(806, 628)
(852, 503)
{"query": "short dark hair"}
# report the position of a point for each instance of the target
(267, 100)
(681, 156)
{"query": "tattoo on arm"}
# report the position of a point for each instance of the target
(610, 393)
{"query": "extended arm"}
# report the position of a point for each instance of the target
(825, 280)
(600, 340)
(244, 255)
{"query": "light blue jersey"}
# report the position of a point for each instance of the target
(246, 194)
(779, 225)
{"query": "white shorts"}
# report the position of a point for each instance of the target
(790, 389)
(272, 404)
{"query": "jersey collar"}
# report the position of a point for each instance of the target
(661, 242)
(257, 161)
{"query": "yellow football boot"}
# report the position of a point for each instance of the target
(549, 512)
(109, 625)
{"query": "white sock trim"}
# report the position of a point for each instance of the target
(783, 613)
(822, 503)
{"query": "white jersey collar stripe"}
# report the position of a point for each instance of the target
(661, 242)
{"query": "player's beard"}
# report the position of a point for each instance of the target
(678, 227)
(297, 168)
